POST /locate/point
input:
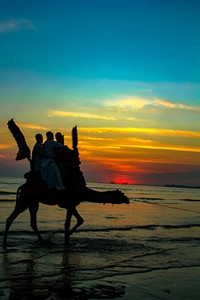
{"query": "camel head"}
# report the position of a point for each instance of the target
(119, 197)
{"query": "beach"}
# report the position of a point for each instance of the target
(148, 249)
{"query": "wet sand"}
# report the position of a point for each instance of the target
(148, 249)
(44, 270)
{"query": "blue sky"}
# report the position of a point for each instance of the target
(118, 69)
(129, 40)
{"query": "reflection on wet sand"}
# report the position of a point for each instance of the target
(48, 272)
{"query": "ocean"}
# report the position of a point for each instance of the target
(148, 249)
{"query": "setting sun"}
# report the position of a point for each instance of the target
(121, 179)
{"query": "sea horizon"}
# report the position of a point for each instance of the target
(125, 183)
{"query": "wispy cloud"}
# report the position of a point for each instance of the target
(79, 115)
(165, 147)
(170, 104)
(132, 130)
(135, 103)
(4, 146)
(128, 102)
(16, 25)
(32, 126)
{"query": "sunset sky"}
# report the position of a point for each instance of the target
(126, 72)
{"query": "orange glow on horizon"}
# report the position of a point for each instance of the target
(121, 179)
(121, 155)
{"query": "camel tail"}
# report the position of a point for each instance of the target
(18, 192)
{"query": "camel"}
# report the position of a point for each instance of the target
(30, 194)
(35, 190)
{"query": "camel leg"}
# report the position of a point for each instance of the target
(67, 225)
(79, 221)
(72, 212)
(9, 222)
(33, 219)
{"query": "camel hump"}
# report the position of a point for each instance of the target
(69, 162)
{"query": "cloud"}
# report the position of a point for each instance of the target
(4, 146)
(164, 147)
(133, 130)
(32, 126)
(79, 115)
(170, 104)
(136, 120)
(135, 103)
(16, 25)
(128, 140)
(128, 102)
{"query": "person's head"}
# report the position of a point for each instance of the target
(60, 138)
(49, 135)
(39, 138)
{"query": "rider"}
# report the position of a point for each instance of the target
(60, 138)
(38, 153)
(50, 171)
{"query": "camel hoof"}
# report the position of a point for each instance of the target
(70, 233)
(39, 240)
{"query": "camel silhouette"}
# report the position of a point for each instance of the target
(35, 190)
(29, 196)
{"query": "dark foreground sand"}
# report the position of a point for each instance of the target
(179, 284)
